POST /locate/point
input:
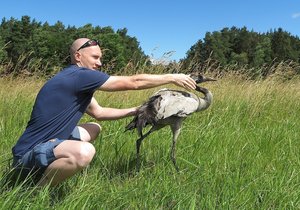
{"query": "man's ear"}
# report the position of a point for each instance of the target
(77, 56)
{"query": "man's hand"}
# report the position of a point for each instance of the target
(185, 81)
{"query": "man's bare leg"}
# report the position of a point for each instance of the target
(72, 156)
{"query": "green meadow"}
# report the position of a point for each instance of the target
(241, 153)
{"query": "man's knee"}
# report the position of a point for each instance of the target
(85, 154)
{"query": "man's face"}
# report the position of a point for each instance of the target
(90, 57)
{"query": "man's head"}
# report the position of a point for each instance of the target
(86, 53)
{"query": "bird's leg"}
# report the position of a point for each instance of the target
(176, 131)
(138, 145)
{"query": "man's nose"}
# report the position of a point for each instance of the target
(99, 64)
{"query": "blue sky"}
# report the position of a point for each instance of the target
(162, 26)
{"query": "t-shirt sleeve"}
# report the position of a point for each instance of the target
(90, 80)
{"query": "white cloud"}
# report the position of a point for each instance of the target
(296, 15)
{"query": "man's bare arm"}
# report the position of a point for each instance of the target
(106, 113)
(144, 81)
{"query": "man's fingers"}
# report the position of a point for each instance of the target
(190, 83)
(185, 81)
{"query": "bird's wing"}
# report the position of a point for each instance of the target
(176, 103)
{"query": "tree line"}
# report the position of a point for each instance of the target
(26, 42)
(241, 47)
(37, 47)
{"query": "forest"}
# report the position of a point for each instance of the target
(31, 47)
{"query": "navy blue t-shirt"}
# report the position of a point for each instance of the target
(59, 106)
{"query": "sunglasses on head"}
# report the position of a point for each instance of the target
(89, 43)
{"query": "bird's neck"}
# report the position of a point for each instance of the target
(205, 102)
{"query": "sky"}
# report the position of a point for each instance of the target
(162, 26)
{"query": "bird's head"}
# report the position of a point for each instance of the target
(201, 78)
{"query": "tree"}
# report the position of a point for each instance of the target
(132, 50)
(263, 52)
(213, 45)
(195, 57)
(281, 46)
(3, 53)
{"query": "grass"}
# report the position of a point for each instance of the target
(241, 153)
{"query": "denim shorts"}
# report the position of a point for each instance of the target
(35, 161)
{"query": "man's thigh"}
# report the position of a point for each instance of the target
(86, 132)
(73, 149)
(37, 160)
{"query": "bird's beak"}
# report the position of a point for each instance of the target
(207, 79)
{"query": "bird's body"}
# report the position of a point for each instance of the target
(168, 107)
(185, 103)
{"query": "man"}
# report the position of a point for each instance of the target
(53, 146)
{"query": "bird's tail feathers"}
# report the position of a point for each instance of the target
(146, 115)
(132, 124)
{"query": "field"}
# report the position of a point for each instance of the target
(241, 153)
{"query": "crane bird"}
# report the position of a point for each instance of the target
(169, 107)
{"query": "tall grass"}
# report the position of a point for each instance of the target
(241, 153)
